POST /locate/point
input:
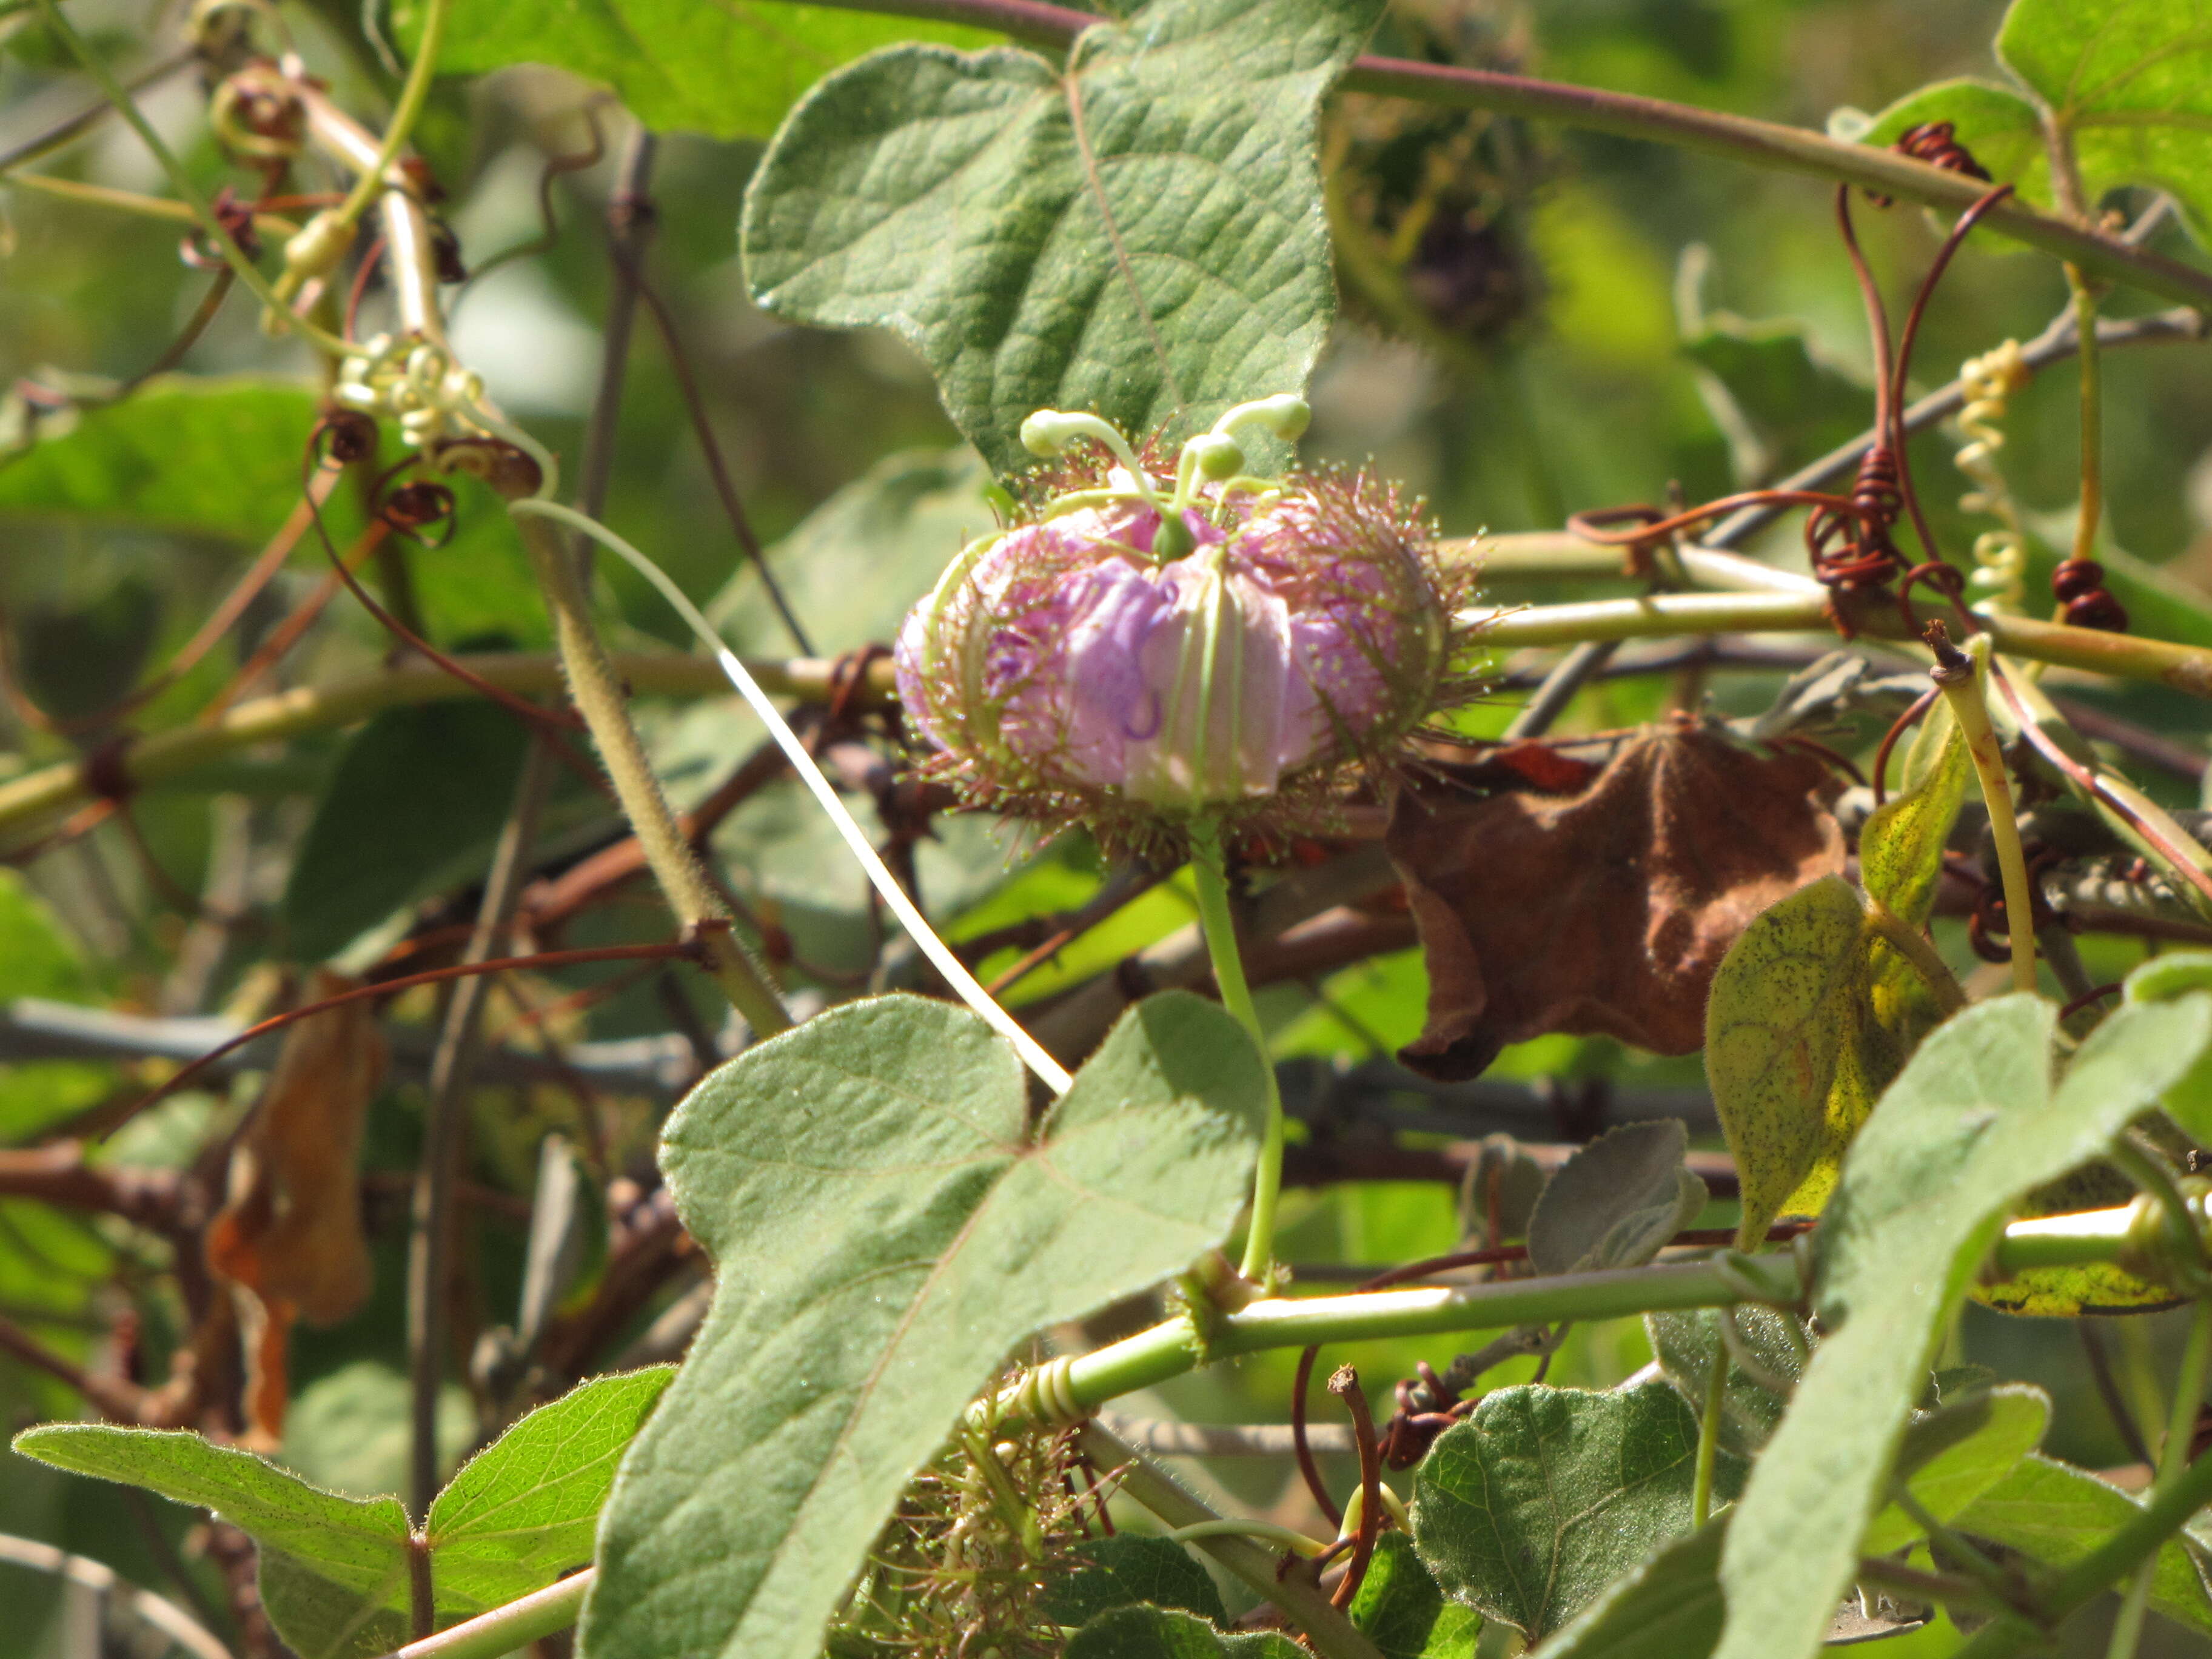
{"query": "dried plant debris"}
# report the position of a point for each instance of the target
(288, 1240)
(1604, 909)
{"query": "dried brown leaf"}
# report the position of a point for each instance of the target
(1604, 911)
(289, 1240)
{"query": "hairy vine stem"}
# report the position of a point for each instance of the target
(600, 698)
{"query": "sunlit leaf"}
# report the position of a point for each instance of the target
(2058, 1513)
(1793, 1050)
(1970, 1125)
(1139, 234)
(890, 1227)
(2128, 83)
(729, 70)
(1528, 1509)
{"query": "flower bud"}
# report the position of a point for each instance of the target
(1073, 667)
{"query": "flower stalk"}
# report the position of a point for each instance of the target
(1218, 923)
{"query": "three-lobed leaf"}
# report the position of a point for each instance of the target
(1971, 1125)
(890, 1226)
(334, 1571)
(1138, 234)
(525, 1509)
(1533, 1504)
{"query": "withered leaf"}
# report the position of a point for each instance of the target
(1604, 911)
(288, 1240)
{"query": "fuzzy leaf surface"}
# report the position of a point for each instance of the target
(1127, 1569)
(1667, 1606)
(525, 1509)
(1528, 1509)
(1616, 1201)
(1967, 1449)
(889, 1227)
(1143, 1632)
(1970, 1125)
(1683, 1342)
(1139, 234)
(1790, 1044)
(2058, 1513)
(335, 1568)
(1400, 1610)
(728, 70)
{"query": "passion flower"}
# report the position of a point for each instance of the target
(1145, 655)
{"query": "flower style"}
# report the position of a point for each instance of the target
(1145, 657)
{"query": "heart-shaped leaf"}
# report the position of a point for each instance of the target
(1138, 234)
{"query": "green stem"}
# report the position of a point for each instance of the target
(503, 1630)
(2185, 668)
(247, 271)
(1950, 1589)
(600, 697)
(1218, 923)
(2093, 405)
(1709, 1434)
(129, 201)
(1178, 1346)
(1961, 678)
(1737, 137)
(165, 757)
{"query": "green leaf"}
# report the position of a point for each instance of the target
(854, 564)
(201, 455)
(1901, 845)
(1616, 1201)
(1141, 1632)
(1400, 1610)
(1666, 1607)
(1683, 1344)
(1777, 400)
(1529, 1508)
(340, 1569)
(2058, 1513)
(1139, 234)
(890, 1227)
(1793, 1050)
(730, 71)
(1971, 1125)
(1119, 1572)
(2128, 82)
(2162, 978)
(524, 1509)
(1959, 1453)
(413, 806)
